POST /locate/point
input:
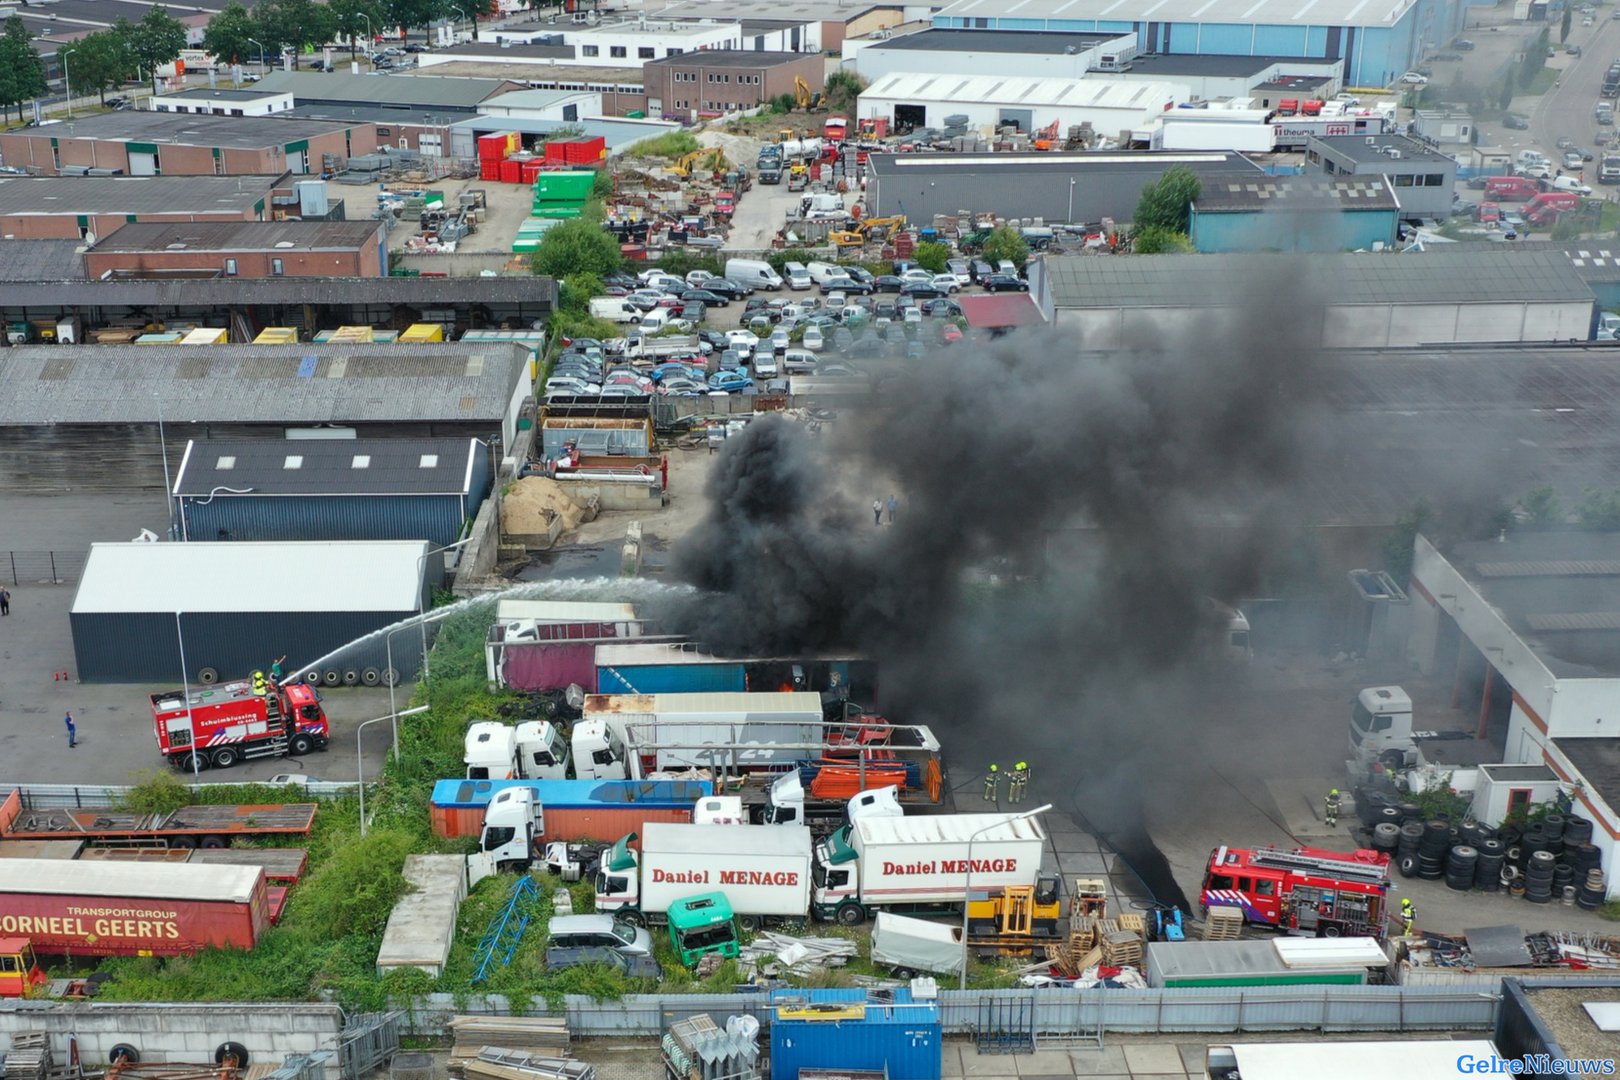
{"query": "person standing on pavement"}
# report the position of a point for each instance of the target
(5, 602)
(894, 504)
(877, 511)
(72, 730)
(1330, 809)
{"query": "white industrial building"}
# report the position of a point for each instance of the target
(222, 102)
(990, 101)
(988, 52)
(627, 43)
(568, 105)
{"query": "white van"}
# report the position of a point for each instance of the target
(614, 309)
(754, 272)
(797, 276)
(655, 320)
(822, 272)
(1571, 183)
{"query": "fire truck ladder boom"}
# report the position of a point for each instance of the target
(1347, 869)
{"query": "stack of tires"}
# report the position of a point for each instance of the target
(1406, 852)
(1488, 870)
(1462, 860)
(1538, 877)
(1432, 849)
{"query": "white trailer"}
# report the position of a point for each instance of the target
(1420, 1059)
(906, 944)
(625, 736)
(763, 870)
(922, 863)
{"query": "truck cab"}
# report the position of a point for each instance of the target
(785, 802)
(20, 974)
(598, 752)
(703, 924)
(1381, 727)
(512, 824)
(534, 750)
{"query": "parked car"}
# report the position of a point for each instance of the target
(566, 385)
(913, 317)
(1573, 160)
(1413, 78)
(1447, 56)
(1564, 142)
(798, 362)
(918, 275)
(683, 387)
(1463, 45)
(888, 283)
(730, 381)
(1586, 155)
(704, 296)
(921, 291)
(1005, 283)
(813, 339)
(779, 340)
(958, 268)
(744, 341)
(951, 334)
(946, 283)
(599, 931)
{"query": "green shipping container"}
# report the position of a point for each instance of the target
(1245, 963)
(564, 187)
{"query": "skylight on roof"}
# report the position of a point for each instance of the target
(226, 461)
(293, 461)
(428, 461)
(360, 461)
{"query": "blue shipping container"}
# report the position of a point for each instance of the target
(472, 794)
(717, 678)
(902, 1036)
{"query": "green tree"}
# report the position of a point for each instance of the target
(1541, 509)
(294, 24)
(577, 247)
(156, 40)
(1599, 511)
(576, 293)
(1006, 243)
(1535, 58)
(1157, 240)
(931, 256)
(1167, 203)
(100, 61)
(842, 90)
(229, 33)
(409, 13)
(22, 73)
(1563, 27)
(355, 20)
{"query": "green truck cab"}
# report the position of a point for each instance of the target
(703, 924)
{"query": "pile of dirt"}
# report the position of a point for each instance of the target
(537, 506)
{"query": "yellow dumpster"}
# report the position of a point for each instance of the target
(422, 333)
(277, 335)
(352, 335)
(206, 335)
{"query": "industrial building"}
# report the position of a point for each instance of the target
(1295, 214)
(142, 607)
(1531, 627)
(1208, 77)
(1376, 44)
(693, 85)
(47, 207)
(138, 143)
(218, 101)
(568, 106)
(112, 417)
(988, 52)
(826, 24)
(622, 90)
(256, 249)
(1438, 297)
(330, 489)
(1053, 186)
(387, 91)
(910, 101)
(1424, 179)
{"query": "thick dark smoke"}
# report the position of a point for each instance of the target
(1063, 517)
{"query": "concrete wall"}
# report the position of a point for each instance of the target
(168, 1032)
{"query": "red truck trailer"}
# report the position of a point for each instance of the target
(132, 909)
(187, 827)
(238, 720)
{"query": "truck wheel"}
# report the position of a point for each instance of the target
(184, 843)
(748, 923)
(208, 676)
(851, 914)
(231, 1050)
(213, 843)
(390, 677)
(351, 677)
(124, 1053)
(225, 757)
(192, 762)
(331, 677)
(634, 918)
(300, 745)
(371, 676)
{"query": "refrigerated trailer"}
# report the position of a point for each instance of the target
(629, 735)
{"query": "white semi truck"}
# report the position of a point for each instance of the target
(1382, 737)
(921, 863)
(763, 871)
(533, 750)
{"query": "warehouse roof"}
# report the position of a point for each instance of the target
(799, 11)
(1203, 281)
(1363, 149)
(495, 50)
(27, 263)
(1242, 12)
(384, 115)
(423, 91)
(539, 73)
(1036, 162)
(211, 93)
(1170, 64)
(137, 880)
(135, 194)
(1018, 90)
(241, 236)
(531, 98)
(327, 466)
(995, 41)
(730, 58)
(1297, 193)
(618, 133)
(47, 288)
(339, 575)
(186, 129)
(293, 384)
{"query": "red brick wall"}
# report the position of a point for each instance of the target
(32, 150)
(55, 226)
(362, 262)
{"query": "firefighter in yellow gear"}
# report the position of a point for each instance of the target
(260, 687)
(1408, 916)
(1018, 782)
(992, 784)
(1330, 809)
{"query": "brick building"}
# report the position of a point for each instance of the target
(73, 207)
(254, 249)
(695, 84)
(139, 143)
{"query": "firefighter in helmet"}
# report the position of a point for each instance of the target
(1408, 915)
(1017, 782)
(1330, 809)
(259, 687)
(992, 784)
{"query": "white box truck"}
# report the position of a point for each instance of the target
(626, 736)
(763, 870)
(920, 864)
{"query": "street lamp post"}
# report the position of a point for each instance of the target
(1070, 219)
(67, 79)
(359, 762)
(369, 32)
(473, 20)
(967, 881)
(260, 44)
(185, 688)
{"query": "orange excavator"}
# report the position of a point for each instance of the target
(1046, 138)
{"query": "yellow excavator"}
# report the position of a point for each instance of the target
(862, 232)
(802, 94)
(683, 166)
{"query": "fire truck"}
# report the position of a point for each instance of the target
(238, 720)
(1304, 891)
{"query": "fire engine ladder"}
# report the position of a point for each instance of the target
(276, 722)
(1347, 869)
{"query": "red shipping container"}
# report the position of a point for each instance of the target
(489, 170)
(511, 172)
(557, 152)
(531, 171)
(588, 151)
(491, 147)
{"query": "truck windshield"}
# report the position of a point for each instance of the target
(707, 937)
(498, 836)
(1368, 722)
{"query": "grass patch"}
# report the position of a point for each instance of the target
(671, 144)
(1542, 82)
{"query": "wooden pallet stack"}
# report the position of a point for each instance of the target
(1223, 924)
(1122, 944)
(29, 1057)
(545, 1036)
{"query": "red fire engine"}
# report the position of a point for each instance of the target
(1324, 893)
(234, 721)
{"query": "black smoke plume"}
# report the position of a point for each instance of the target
(1064, 517)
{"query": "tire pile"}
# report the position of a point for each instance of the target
(1550, 859)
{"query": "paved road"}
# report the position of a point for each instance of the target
(1566, 110)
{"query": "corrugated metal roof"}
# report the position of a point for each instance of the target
(1205, 281)
(1289, 13)
(327, 467)
(423, 91)
(133, 194)
(1550, 568)
(353, 575)
(46, 287)
(1296, 193)
(137, 881)
(1013, 90)
(653, 653)
(185, 129)
(297, 384)
(242, 236)
(39, 264)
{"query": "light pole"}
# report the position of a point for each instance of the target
(473, 20)
(967, 881)
(359, 762)
(67, 79)
(260, 44)
(185, 688)
(421, 568)
(369, 32)
(163, 448)
(388, 643)
(1070, 219)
